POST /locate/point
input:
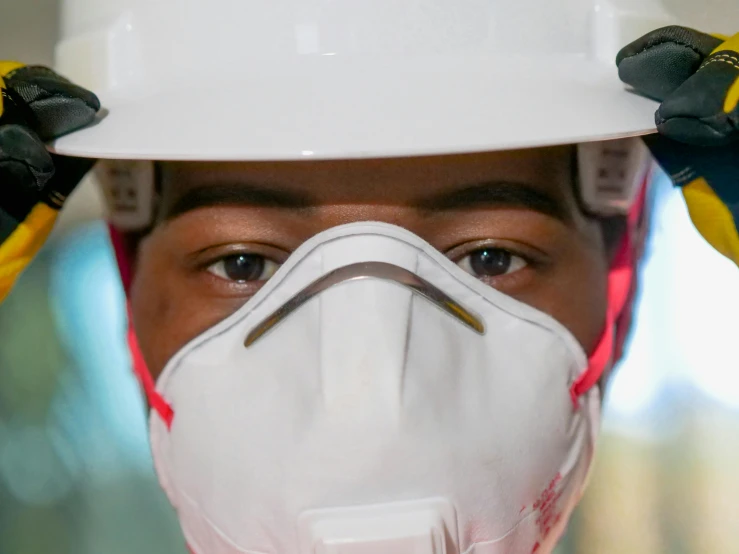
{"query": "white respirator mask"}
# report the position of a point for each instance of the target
(374, 398)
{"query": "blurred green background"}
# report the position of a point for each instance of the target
(75, 471)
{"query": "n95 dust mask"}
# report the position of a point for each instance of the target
(374, 398)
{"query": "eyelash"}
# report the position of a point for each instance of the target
(203, 263)
(532, 256)
(267, 269)
(516, 263)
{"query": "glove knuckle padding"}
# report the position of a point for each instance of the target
(58, 106)
(659, 62)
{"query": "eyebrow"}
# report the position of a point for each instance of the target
(478, 196)
(498, 194)
(239, 194)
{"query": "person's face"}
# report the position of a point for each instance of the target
(510, 218)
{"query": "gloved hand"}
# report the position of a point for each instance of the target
(36, 105)
(696, 77)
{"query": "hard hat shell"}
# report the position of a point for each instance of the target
(290, 79)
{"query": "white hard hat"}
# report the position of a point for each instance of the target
(290, 79)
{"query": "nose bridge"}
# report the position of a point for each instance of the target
(363, 345)
(364, 332)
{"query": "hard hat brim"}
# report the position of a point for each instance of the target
(332, 109)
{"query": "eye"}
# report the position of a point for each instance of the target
(243, 268)
(491, 262)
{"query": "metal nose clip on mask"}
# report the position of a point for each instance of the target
(368, 270)
(374, 398)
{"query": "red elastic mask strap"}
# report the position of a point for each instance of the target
(621, 279)
(156, 401)
(122, 257)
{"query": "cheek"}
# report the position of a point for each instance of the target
(166, 314)
(576, 296)
(152, 317)
(584, 312)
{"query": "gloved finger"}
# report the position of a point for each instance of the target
(704, 110)
(659, 62)
(57, 105)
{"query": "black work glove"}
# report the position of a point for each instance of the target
(695, 76)
(37, 105)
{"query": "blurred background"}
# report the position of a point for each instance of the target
(75, 470)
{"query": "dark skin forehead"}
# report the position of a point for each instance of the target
(520, 200)
(431, 184)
